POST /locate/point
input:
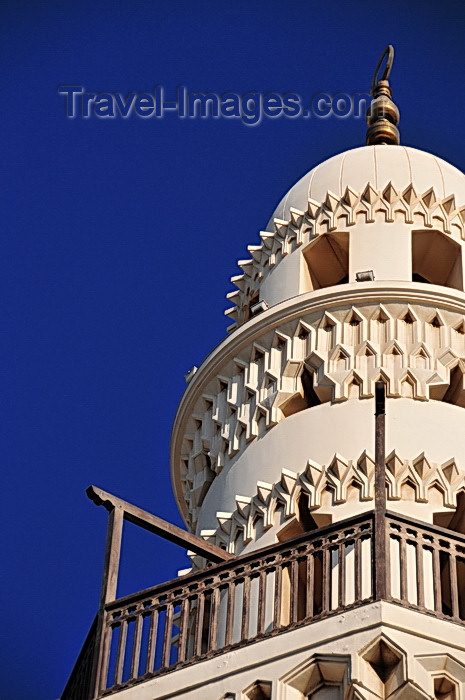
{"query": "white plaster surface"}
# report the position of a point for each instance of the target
(284, 281)
(385, 248)
(318, 433)
(379, 165)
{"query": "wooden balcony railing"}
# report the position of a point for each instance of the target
(79, 686)
(271, 591)
(425, 567)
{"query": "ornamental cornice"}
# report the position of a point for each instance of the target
(369, 206)
(340, 477)
(347, 295)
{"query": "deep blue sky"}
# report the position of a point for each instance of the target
(118, 238)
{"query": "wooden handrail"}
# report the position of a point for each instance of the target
(158, 526)
(221, 607)
(245, 559)
(207, 610)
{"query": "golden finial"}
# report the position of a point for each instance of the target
(383, 115)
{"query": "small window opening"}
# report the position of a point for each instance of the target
(327, 259)
(436, 259)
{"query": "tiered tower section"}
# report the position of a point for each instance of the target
(281, 412)
(358, 279)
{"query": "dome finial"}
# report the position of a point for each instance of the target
(382, 114)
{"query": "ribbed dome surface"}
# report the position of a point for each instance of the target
(377, 165)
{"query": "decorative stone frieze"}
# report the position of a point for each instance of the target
(340, 480)
(418, 350)
(370, 206)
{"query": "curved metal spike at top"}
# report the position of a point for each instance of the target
(383, 115)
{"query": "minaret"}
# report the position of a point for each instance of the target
(320, 446)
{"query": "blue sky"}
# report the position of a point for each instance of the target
(118, 239)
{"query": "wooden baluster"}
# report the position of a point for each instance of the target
(420, 576)
(167, 636)
(107, 594)
(230, 614)
(358, 571)
(326, 579)
(310, 586)
(215, 602)
(453, 585)
(152, 642)
(403, 568)
(183, 630)
(277, 596)
(199, 624)
(261, 602)
(121, 652)
(342, 576)
(245, 607)
(294, 572)
(387, 559)
(437, 581)
(105, 642)
(136, 646)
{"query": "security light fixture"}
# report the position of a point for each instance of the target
(366, 276)
(258, 308)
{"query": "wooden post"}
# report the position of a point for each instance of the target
(119, 511)
(379, 540)
(107, 593)
(154, 524)
(112, 556)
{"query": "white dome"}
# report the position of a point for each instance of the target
(377, 165)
